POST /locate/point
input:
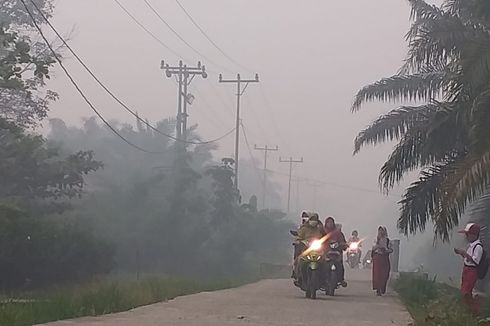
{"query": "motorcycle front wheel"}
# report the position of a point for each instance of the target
(332, 283)
(314, 282)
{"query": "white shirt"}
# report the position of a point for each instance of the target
(475, 250)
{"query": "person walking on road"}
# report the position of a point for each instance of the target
(472, 257)
(381, 261)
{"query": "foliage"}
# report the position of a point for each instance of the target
(447, 137)
(108, 295)
(37, 252)
(30, 169)
(37, 248)
(432, 303)
(169, 214)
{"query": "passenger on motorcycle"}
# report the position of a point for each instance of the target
(336, 235)
(354, 237)
(304, 217)
(311, 230)
(355, 245)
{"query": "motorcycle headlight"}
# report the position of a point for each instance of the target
(334, 245)
(354, 246)
(316, 245)
(368, 261)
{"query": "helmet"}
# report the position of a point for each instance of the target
(314, 217)
(304, 217)
(355, 233)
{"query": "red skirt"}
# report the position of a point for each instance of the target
(381, 272)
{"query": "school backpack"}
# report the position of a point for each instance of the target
(482, 267)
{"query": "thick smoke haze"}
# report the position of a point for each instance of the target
(312, 57)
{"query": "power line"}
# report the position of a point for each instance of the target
(250, 151)
(160, 17)
(209, 38)
(291, 161)
(153, 36)
(111, 94)
(272, 116)
(333, 184)
(76, 85)
(266, 149)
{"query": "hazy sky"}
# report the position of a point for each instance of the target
(312, 57)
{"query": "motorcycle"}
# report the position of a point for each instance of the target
(309, 277)
(332, 257)
(354, 255)
(368, 261)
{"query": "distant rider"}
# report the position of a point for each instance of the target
(355, 239)
(335, 234)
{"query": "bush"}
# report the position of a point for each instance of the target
(36, 252)
(432, 303)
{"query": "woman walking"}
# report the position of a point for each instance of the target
(381, 261)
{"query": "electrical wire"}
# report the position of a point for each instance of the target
(272, 116)
(250, 151)
(153, 36)
(194, 22)
(337, 185)
(82, 94)
(111, 94)
(149, 5)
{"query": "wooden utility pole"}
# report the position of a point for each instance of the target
(290, 161)
(238, 81)
(266, 150)
(184, 76)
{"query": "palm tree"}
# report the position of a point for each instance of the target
(447, 136)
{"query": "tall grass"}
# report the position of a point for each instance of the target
(100, 297)
(434, 304)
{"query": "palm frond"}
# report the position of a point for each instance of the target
(430, 141)
(393, 125)
(405, 157)
(468, 180)
(435, 42)
(421, 201)
(423, 86)
(479, 120)
(422, 10)
(475, 63)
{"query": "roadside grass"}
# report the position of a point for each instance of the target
(436, 304)
(109, 295)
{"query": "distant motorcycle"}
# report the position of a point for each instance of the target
(354, 255)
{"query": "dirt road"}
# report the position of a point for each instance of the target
(270, 302)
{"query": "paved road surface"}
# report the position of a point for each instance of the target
(270, 302)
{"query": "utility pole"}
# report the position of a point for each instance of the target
(266, 150)
(238, 81)
(290, 161)
(184, 76)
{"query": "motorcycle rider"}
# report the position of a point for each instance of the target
(311, 230)
(335, 234)
(355, 239)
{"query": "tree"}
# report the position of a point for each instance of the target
(29, 169)
(447, 137)
(22, 99)
(37, 180)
